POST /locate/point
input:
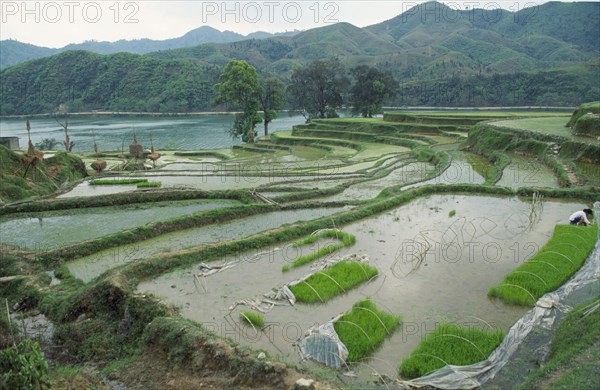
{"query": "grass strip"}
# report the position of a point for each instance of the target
(333, 281)
(122, 199)
(110, 182)
(364, 328)
(252, 318)
(346, 239)
(548, 269)
(151, 230)
(149, 184)
(218, 155)
(450, 344)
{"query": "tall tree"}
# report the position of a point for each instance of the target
(272, 98)
(319, 88)
(371, 89)
(238, 86)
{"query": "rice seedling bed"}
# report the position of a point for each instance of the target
(345, 239)
(253, 318)
(450, 344)
(108, 182)
(149, 184)
(548, 269)
(333, 281)
(364, 328)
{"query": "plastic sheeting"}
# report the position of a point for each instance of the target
(543, 314)
(324, 345)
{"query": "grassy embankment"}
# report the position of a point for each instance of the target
(574, 352)
(21, 182)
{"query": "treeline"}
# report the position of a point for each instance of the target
(86, 81)
(562, 87)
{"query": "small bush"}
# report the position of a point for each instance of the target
(364, 328)
(253, 318)
(24, 367)
(452, 213)
(333, 281)
(450, 344)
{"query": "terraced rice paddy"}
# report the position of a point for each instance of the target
(434, 237)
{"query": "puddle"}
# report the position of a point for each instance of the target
(55, 229)
(527, 172)
(488, 237)
(87, 268)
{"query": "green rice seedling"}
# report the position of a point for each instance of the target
(108, 182)
(333, 281)
(149, 184)
(345, 238)
(450, 344)
(548, 269)
(253, 318)
(364, 328)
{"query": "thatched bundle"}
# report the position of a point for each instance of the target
(136, 150)
(32, 157)
(99, 165)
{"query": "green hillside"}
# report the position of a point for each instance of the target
(544, 55)
(117, 82)
(20, 181)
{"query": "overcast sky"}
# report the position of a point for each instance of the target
(58, 23)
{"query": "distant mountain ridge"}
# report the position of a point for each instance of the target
(13, 52)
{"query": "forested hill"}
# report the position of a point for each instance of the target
(545, 55)
(119, 82)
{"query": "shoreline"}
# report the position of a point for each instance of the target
(207, 113)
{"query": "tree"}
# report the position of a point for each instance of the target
(47, 144)
(238, 86)
(371, 89)
(271, 97)
(318, 89)
(64, 112)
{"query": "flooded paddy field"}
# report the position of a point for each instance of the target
(87, 268)
(527, 172)
(461, 257)
(461, 170)
(54, 228)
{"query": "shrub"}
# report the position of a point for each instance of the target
(24, 367)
